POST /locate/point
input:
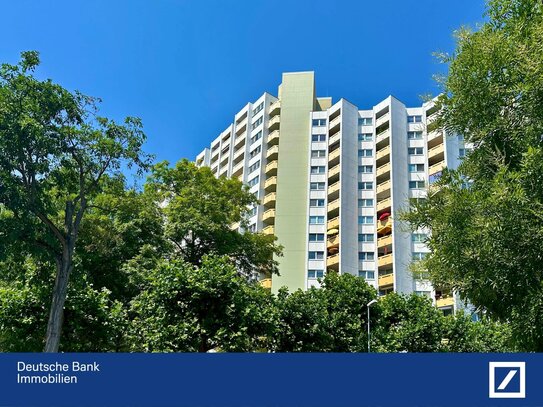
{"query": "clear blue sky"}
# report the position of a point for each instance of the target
(187, 66)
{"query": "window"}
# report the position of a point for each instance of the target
(365, 121)
(418, 237)
(414, 135)
(258, 108)
(414, 119)
(318, 137)
(252, 228)
(365, 237)
(255, 152)
(254, 166)
(258, 122)
(365, 169)
(367, 274)
(416, 184)
(315, 273)
(317, 186)
(365, 203)
(252, 211)
(461, 153)
(365, 137)
(318, 153)
(416, 167)
(427, 294)
(365, 153)
(366, 256)
(316, 237)
(316, 202)
(316, 220)
(418, 256)
(365, 185)
(415, 151)
(253, 181)
(318, 169)
(316, 255)
(256, 137)
(365, 220)
(319, 122)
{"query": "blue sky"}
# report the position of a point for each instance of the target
(186, 67)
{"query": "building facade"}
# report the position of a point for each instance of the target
(332, 181)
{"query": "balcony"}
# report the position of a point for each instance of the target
(383, 172)
(271, 168)
(436, 152)
(333, 157)
(382, 120)
(234, 226)
(275, 109)
(384, 241)
(386, 280)
(385, 261)
(240, 141)
(334, 139)
(384, 204)
(272, 153)
(333, 191)
(384, 226)
(334, 125)
(268, 217)
(241, 126)
(333, 242)
(270, 184)
(333, 224)
(446, 300)
(333, 174)
(333, 208)
(333, 261)
(223, 172)
(383, 189)
(238, 169)
(435, 137)
(269, 230)
(269, 200)
(239, 153)
(273, 138)
(266, 283)
(436, 168)
(382, 153)
(273, 124)
(382, 139)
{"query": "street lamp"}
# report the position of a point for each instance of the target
(369, 305)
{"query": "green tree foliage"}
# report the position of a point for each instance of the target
(487, 217)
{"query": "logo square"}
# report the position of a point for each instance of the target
(507, 380)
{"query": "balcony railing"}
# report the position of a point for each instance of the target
(385, 203)
(382, 153)
(332, 261)
(270, 184)
(273, 124)
(384, 225)
(275, 108)
(385, 260)
(268, 216)
(266, 283)
(386, 280)
(384, 241)
(271, 168)
(333, 223)
(273, 138)
(269, 199)
(269, 230)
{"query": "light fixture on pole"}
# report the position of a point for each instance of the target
(368, 306)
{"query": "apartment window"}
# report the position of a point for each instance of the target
(418, 237)
(316, 202)
(414, 119)
(258, 108)
(318, 137)
(253, 181)
(365, 185)
(414, 135)
(316, 255)
(365, 121)
(316, 220)
(318, 169)
(365, 137)
(418, 256)
(365, 153)
(319, 122)
(427, 294)
(415, 151)
(365, 237)
(318, 153)
(317, 186)
(367, 274)
(316, 237)
(255, 166)
(365, 203)
(366, 256)
(365, 169)
(416, 184)
(365, 220)
(256, 137)
(258, 122)
(416, 167)
(255, 152)
(252, 228)
(315, 273)
(252, 211)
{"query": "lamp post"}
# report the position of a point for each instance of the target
(368, 306)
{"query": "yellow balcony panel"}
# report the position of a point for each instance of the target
(333, 173)
(333, 157)
(234, 226)
(238, 169)
(383, 171)
(334, 125)
(271, 168)
(384, 241)
(384, 204)
(269, 230)
(386, 280)
(266, 283)
(384, 226)
(436, 151)
(333, 190)
(382, 139)
(445, 301)
(334, 139)
(268, 216)
(435, 137)
(273, 124)
(333, 206)
(386, 260)
(436, 168)
(270, 184)
(275, 108)
(272, 153)
(333, 224)
(333, 242)
(383, 190)
(382, 120)
(332, 261)
(382, 153)
(269, 200)
(273, 138)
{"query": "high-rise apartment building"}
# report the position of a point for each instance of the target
(332, 180)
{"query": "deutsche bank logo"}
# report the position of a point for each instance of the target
(507, 380)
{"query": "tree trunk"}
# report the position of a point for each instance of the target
(54, 326)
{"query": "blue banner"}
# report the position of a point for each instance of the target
(289, 380)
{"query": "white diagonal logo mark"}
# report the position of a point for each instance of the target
(507, 379)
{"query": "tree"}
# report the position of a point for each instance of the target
(486, 218)
(54, 152)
